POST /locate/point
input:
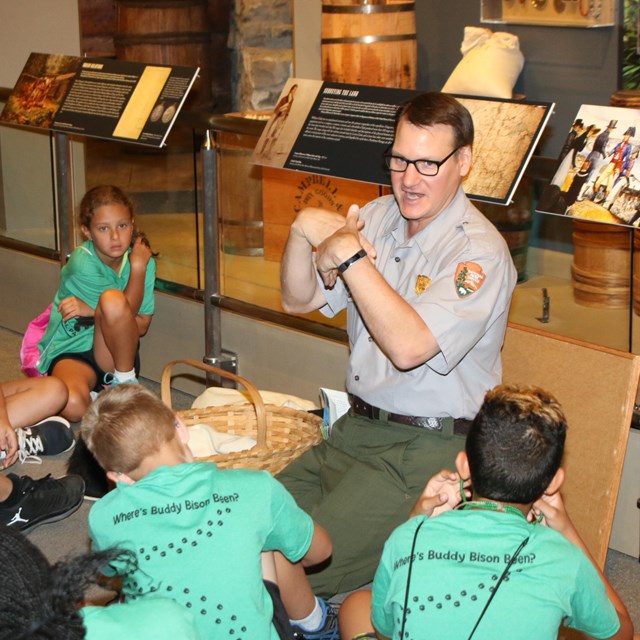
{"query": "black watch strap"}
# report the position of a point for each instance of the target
(354, 258)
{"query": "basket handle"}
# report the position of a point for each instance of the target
(254, 394)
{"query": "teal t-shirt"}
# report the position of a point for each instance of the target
(87, 277)
(148, 619)
(198, 533)
(458, 559)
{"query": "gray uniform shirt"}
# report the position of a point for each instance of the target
(464, 305)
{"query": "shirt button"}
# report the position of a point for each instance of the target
(356, 377)
(370, 339)
(397, 259)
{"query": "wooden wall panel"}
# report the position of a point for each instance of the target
(597, 389)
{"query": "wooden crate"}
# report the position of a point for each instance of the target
(285, 193)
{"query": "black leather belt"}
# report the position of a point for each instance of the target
(362, 408)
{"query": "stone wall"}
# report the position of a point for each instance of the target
(99, 27)
(251, 47)
(261, 40)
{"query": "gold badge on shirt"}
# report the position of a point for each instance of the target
(422, 282)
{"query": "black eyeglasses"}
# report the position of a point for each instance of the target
(423, 166)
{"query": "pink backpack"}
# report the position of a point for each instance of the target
(29, 351)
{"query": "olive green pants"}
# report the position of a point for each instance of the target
(360, 485)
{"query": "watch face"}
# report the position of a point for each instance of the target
(157, 112)
(168, 114)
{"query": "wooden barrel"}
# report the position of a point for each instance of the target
(601, 268)
(168, 32)
(629, 98)
(97, 27)
(371, 43)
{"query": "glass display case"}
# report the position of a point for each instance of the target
(571, 282)
(549, 295)
(558, 13)
(27, 215)
(255, 206)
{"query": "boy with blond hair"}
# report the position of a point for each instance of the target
(198, 532)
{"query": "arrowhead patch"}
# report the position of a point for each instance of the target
(469, 278)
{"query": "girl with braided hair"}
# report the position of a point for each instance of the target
(41, 602)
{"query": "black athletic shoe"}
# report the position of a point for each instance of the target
(44, 500)
(83, 463)
(49, 437)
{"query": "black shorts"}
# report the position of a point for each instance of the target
(88, 358)
(280, 617)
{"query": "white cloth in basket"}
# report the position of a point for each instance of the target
(205, 441)
(218, 396)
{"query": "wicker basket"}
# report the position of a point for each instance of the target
(281, 434)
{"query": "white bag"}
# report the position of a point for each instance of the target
(490, 65)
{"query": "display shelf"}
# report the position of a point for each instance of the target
(553, 13)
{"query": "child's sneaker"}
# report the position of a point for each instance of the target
(41, 501)
(328, 629)
(49, 437)
(110, 380)
(83, 463)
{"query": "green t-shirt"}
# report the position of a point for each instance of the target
(198, 533)
(147, 619)
(87, 277)
(459, 557)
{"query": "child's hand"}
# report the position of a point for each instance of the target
(554, 513)
(441, 494)
(8, 444)
(72, 307)
(140, 253)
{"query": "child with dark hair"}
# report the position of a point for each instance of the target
(104, 304)
(199, 532)
(41, 602)
(485, 567)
